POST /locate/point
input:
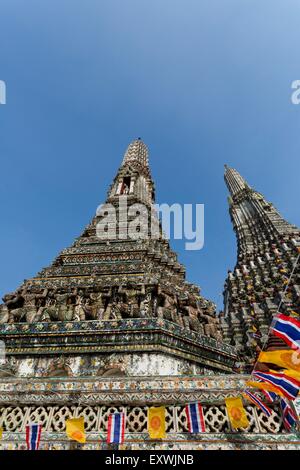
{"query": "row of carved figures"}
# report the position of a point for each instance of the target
(187, 310)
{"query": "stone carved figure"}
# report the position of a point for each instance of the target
(167, 305)
(131, 296)
(79, 310)
(65, 306)
(189, 306)
(23, 305)
(88, 309)
(11, 300)
(145, 305)
(113, 311)
(212, 327)
(96, 308)
(14, 302)
(61, 302)
(50, 310)
(30, 308)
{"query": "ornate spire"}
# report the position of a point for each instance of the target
(234, 181)
(134, 177)
(137, 152)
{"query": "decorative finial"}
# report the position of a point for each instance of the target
(136, 152)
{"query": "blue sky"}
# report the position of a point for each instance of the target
(202, 82)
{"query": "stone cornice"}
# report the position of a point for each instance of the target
(144, 335)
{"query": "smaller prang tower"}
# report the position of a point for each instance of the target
(266, 276)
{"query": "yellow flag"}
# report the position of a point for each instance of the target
(157, 422)
(236, 413)
(286, 358)
(75, 429)
(1, 432)
(265, 386)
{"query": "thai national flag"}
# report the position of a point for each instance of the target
(288, 329)
(116, 428)
(257, 401)
(270, 396)
(33, 436)
(288, 386)
(288, 415)
(195, 417)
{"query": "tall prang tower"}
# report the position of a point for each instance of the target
(266, 275)
(116, 302)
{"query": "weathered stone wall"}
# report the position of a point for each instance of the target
(110, 365)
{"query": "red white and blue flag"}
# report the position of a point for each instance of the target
(195, 417)
(33, 436)
(289, 386)
(270, 396)
(116, 428)
(288, 415)
(257, 401)
(288, 329)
